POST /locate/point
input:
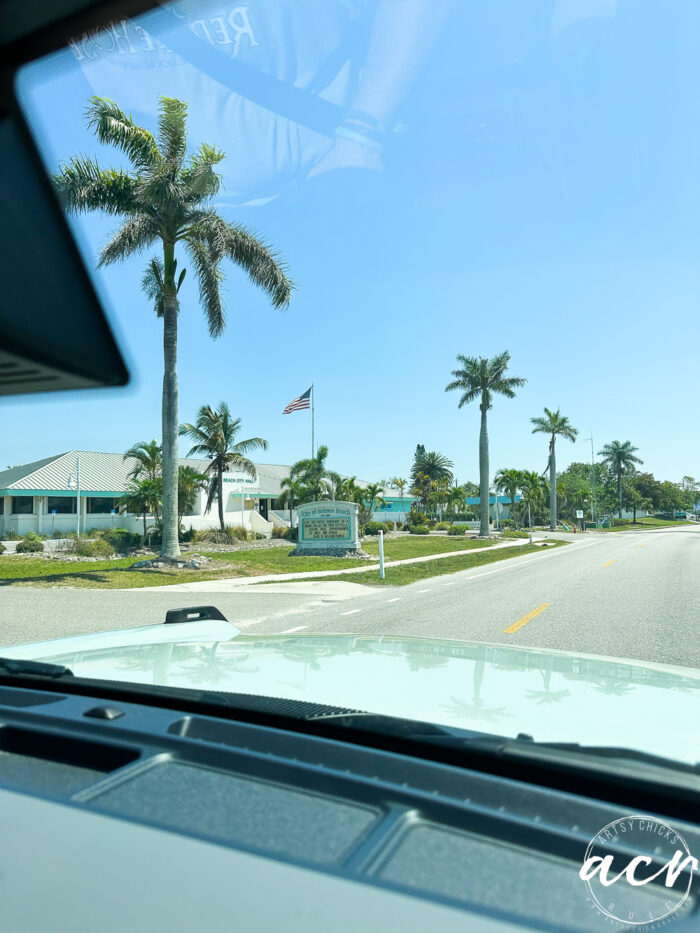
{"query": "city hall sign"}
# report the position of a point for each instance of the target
(327, 527)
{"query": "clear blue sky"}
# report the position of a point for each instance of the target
(538, 193)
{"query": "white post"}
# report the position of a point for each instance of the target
(77, 495)
(381, 555)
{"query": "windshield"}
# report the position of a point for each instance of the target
(393, 281)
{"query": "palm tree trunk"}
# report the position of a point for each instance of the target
(170, 546)
(144, 527)
(483, 475)
(619, 493)
(552, 489)
(220, 496)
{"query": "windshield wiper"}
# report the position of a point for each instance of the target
(37, 668)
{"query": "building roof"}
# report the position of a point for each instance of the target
(106, 473)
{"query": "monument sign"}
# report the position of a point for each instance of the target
(329, 527)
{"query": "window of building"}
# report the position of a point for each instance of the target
(61, 505)
(2, 505)
(22, 505)
(102, 505)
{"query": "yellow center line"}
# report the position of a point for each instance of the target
(640, 545)
(610, 562)
(525, 619)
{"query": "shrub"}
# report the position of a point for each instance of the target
(511, 533)
(442, 526)
(84, 547)
(120, 539)
(279, 531)
(417, 518)
(189, 535)
(11, 536)
(419, 530)
(456, 529)
(373, 528)
(30, 543)
(230, 535)
(2, 548)
(259, 536)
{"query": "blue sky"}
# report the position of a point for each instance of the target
(540, 195)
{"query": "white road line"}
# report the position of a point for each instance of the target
(448, 584)
(424, 591)
(299, 628)
(350, 612)
(394, 600)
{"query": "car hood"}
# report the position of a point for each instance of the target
(551, 695)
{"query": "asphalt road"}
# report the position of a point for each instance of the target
(627, 595)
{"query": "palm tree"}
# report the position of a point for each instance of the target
(482, 378)
(293, 493)
(553, 423)
(214, 434)
(148, 465)
(400, 484)
(619, 457)
(314, 474)
(434, 465)
(508, 482)
(189, 483)
(142, 497)
(165, 199)
(534, 487)
(149, 460)
(372, 494)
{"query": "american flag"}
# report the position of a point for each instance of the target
(301, 401)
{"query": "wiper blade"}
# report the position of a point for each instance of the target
(37, 668)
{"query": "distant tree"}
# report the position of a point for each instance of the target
(619, 457)
(481, 378)
(372, 495)
(632, 498)
(555, 425)
(434, 465)
(508, 482)
(400, 484)
(420, 452)
(214, 434)
(142, 497)
(292, 494)
(534, 488)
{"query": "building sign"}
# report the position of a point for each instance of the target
(328, 526)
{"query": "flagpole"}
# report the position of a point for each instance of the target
(313, 451)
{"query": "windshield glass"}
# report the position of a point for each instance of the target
(391, 279)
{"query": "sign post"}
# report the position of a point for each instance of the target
(381, 555)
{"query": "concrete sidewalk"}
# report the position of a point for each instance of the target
(230, 583)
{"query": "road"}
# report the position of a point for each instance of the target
(627, 595)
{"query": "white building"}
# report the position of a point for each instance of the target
(45, 496)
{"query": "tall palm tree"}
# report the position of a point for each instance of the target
(214, 435)
(165, 200)
(555, 424)
(482, 378)
(508, 482)
(619, 457)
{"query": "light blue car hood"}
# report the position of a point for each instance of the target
(550, 695)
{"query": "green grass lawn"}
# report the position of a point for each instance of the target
(411, 573)
(18, 570)
(421, 545)
(642, 523)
